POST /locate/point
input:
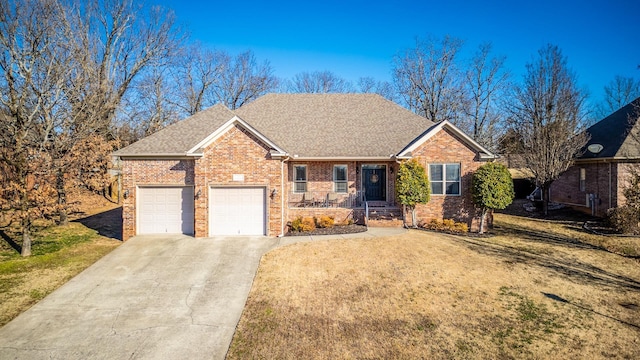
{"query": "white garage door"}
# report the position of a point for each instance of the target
(237, 211)
(165, 210)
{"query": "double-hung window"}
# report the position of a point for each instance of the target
(583, 179)
(300, 178)
(340, 178)
(445, 179)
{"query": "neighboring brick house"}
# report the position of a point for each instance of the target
(252, 170)
(595, 182)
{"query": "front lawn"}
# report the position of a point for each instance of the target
(534, 289)
(59, 253)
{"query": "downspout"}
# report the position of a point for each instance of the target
(610, 192)
(282, 191)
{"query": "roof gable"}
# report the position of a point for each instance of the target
(483, 152)
(235, 121)
(618, 133)
(177, 139)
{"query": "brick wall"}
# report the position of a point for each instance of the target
(238, 152)
(149, 172)
(320, 181)
(445, 147)
(600, 180)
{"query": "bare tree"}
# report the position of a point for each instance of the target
(428, 80)
(30, 97)
(382, 88)
(241, 79)
(196, 75)
(617, 93)
(111, 44)
(150, 105)
(319, 82)
(66, 66)
(485, 81)
(547, 112)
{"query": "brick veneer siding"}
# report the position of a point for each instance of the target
(601, 179)
(320, 181)
(238, 152)
(150, 172)
(445, 147)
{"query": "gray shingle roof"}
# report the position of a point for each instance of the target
(334, 125)
(307, 125)
(180, 137)
(618, 133)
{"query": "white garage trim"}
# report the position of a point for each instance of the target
(237, 210)
(165, 210)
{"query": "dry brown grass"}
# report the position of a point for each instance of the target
(532, 290)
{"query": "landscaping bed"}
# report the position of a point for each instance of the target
(335, 230)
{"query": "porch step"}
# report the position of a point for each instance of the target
(385, 217)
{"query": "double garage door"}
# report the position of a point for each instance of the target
(232, 210)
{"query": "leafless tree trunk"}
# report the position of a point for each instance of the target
(318, 82)
(427, 79)
(547, 112)
(485, 81)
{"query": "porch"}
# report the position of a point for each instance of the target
(324, 199)
(344, 207)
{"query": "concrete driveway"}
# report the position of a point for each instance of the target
(154, 297)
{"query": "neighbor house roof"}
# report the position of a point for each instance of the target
(618, 134)
(311, 126)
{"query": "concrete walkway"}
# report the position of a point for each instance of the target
(154, 297)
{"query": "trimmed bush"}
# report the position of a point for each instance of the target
(303, 224)
(325, 222)
(446, 225)
(624, 219)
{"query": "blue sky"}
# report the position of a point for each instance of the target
(600, 38)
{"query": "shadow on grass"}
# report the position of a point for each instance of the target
(539, 237)
(565, 301)
(107, 223)
(570, 268)
(10, 241)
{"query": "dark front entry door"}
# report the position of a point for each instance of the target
(374, 182)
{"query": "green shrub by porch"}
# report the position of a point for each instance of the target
(492, 188)
(412, 186)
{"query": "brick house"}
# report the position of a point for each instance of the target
(595, 182)
(252, 170)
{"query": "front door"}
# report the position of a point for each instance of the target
(374, 182)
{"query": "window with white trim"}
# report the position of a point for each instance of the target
(444, 179)
(300, 178)
(340, 184)
(583, 179)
